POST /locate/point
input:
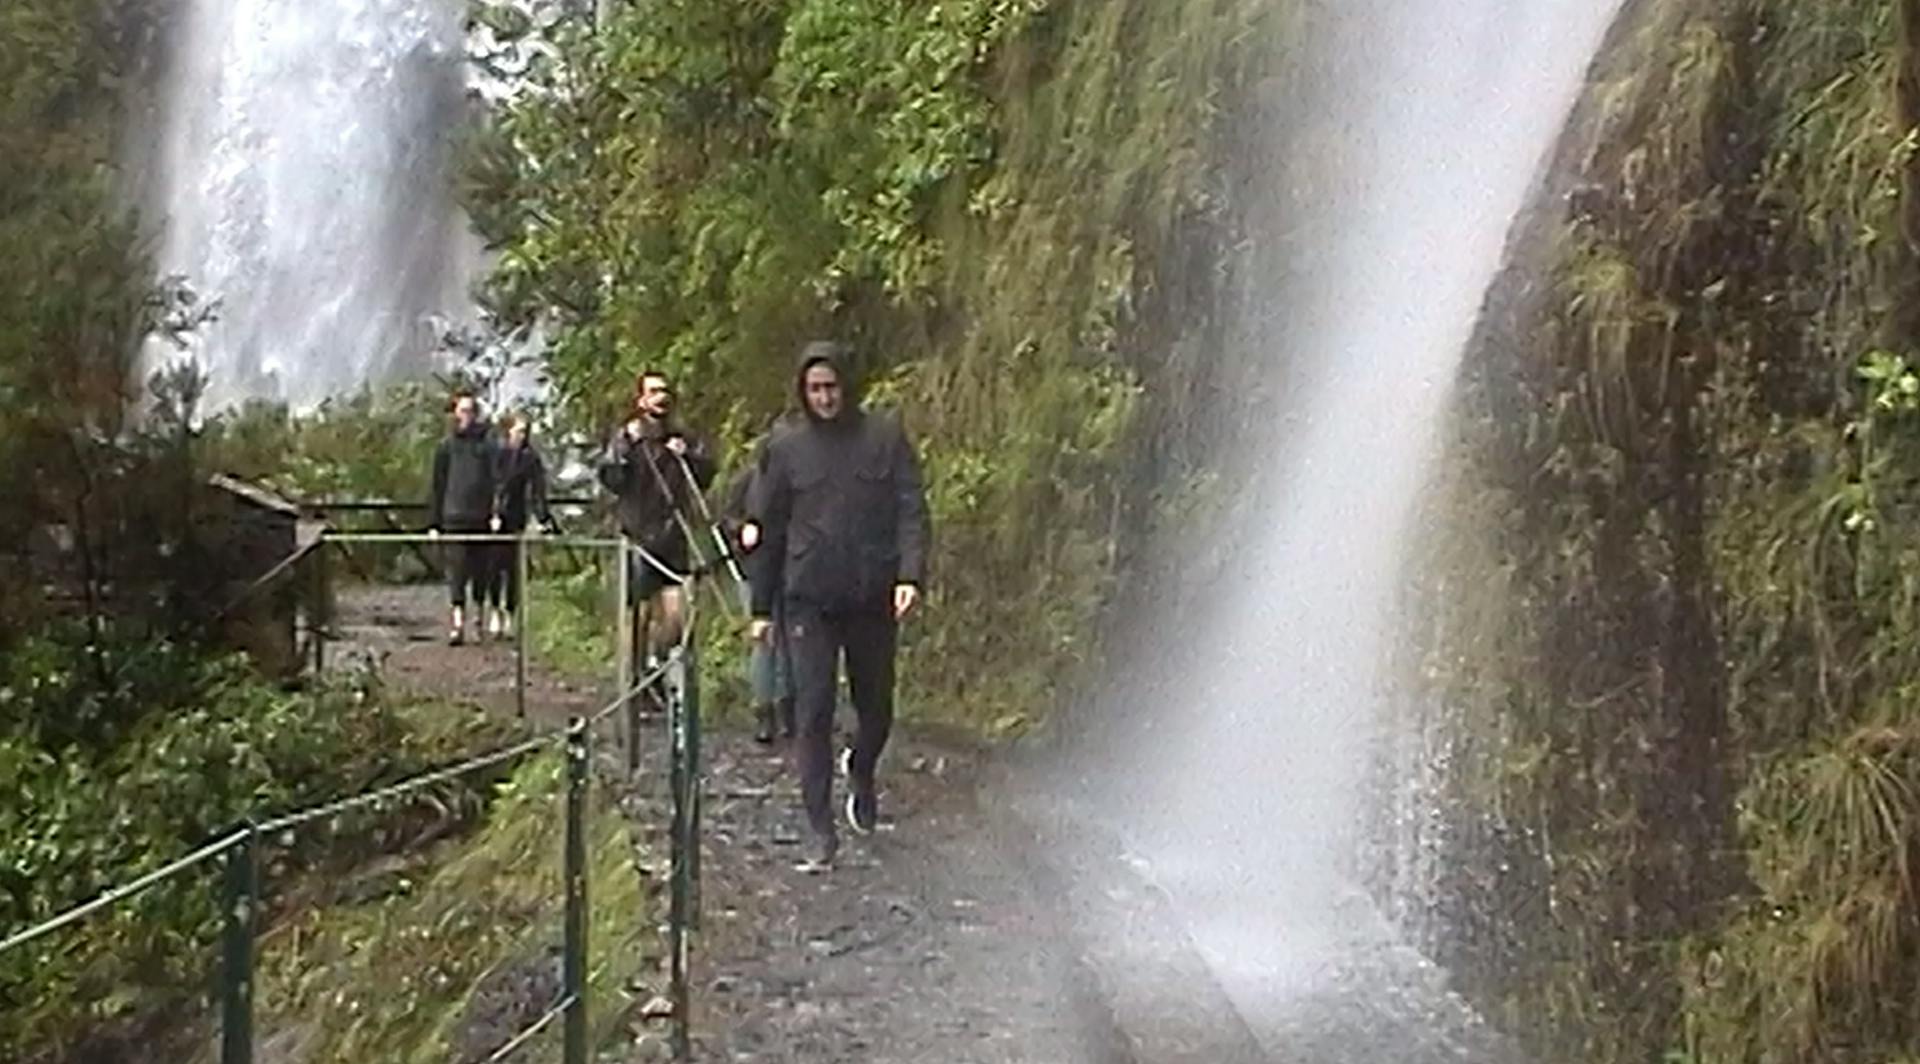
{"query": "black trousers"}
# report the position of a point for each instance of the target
(816, 643)
(503, 574)
(469, 567)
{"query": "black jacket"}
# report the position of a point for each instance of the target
(733, 512)
(649, 482)
(463, 486)
(520, 478)
(842, 512)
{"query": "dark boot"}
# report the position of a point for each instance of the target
(763, 723)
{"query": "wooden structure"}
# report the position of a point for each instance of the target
(266, 552)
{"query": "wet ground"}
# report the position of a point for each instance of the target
(986, 922)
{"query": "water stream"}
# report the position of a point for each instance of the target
(303, 182)
(1423, 131)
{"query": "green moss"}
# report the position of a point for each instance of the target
(1675, 620)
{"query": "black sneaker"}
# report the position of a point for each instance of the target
(763, 724)
(821, 852)
(863, 808)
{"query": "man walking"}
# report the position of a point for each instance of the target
(843, 524)
(655, 468)
(461, 503)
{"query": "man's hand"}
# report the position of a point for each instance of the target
(678, 445)
(749, 536)
(760, 629)
(634, 429)
(493, 523)
(434, 532)
(905, 598)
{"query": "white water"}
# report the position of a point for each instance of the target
(303, 182)
(1431, 125)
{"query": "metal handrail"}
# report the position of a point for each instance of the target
(240, 846)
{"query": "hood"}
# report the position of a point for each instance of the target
(826, 353)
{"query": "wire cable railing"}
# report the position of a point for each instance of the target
(675, 676)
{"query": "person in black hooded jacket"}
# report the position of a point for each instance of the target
(462, 502)
(842, 522)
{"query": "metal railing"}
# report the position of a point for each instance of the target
(676, 677)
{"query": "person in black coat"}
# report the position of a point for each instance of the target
(843, 526)
(461, 501)
(769, 677)
(520, 481)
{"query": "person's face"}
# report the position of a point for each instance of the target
(656, 397)
(517, 434)
(465, 412)
(821, 386)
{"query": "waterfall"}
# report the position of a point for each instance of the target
(1405, 154)
(303, 184)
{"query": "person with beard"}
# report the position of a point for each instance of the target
(655, 468)
(842, 522)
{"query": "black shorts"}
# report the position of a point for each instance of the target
(646, 578)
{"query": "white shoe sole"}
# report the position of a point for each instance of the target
(853, 822)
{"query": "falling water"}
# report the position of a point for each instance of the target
(303, 185)
(1420, 136)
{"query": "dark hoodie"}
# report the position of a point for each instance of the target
(520, 476)
(462, 498)
(840, 505)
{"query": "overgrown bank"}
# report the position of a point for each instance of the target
(1676, 650)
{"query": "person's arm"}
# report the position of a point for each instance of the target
(769, 505)
(703, 459)
(436, 495)
(537, 489)
(910, 525)
(501, 462)
(733, 509)
(616, 465)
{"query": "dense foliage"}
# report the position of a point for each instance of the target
(1679, 604)
(987, 197)
(100, 782)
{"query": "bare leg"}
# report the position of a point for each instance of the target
(669, 618)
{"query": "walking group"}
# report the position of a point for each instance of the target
(824, 528)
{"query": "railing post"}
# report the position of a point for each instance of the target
(242, 903)
(690, 725)
(522, 569)
(680, 892)
(574, 972)
(623, 656)
(317, 609)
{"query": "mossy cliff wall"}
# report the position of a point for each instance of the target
(1668, 619)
